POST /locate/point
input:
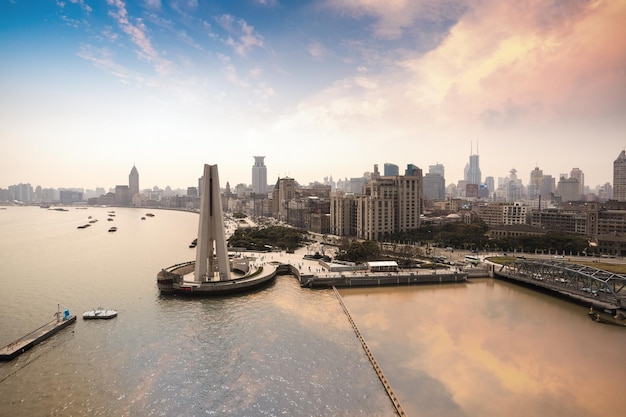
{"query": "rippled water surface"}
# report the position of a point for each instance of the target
(481, 349)
(279, 351)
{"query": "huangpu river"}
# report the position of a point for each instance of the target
(485, 348)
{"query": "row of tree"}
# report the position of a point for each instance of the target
(263, 239)
(456, 235)
(474, 237)
(460, 236)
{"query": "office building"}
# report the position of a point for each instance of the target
(389, 205)
(580, 176)
(504, 214)
(548, 187)
(434, 187)
(259, 175)
(412, 170)
(133, 182)
(472, 171)
(534, 185)
(490, 184)
(568, 189)
(284, 191)
(437, 169)
(70, 196)
(22, 192)
(343, 214)
(390, 170)
(619, 177)
(386, 205)
(122, 195)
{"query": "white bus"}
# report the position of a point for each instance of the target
(472, 259)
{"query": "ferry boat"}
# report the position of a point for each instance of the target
(99, 314)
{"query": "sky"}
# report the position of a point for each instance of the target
(320, 88)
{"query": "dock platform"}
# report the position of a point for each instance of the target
(26, 342)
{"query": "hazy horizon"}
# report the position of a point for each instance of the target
(320, 88)
(194, 183)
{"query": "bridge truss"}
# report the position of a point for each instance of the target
(580, 280)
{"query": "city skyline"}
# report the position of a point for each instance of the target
(133, 179)
(320, 88)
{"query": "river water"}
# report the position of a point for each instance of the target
(482, 349)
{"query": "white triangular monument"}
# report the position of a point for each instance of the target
(211, 254)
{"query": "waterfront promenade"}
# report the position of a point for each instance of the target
(314, 273)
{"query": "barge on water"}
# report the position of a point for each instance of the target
(26, 342)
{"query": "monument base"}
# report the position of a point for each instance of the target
(171, 281)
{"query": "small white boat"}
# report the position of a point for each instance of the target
(99, 313)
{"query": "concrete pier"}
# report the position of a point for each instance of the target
(379, 279)
(26, 342)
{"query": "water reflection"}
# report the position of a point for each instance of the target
(490, 348)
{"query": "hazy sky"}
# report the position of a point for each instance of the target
(320, 88)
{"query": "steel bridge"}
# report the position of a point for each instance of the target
(581, 282)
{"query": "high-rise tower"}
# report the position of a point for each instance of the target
(133, 182)
(472, 170)
(437, 169)
(580, 176)
(534, 185)
(259, 175)
(619, 177)
(390, 170)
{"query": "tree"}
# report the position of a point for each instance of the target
(358, 251)
(255, 238)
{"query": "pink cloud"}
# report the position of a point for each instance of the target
(530, 61)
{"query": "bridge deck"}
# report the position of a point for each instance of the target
(582, 283)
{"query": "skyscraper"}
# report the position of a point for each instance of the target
(578, 174)
(259, 175)
(472, 171)
(619, 177)
(548, 187)
(434, 187)
(390, 170)
(568, 189)
(412, 170)
(133, 182)
(437, 169)
(434, 183)
(534, 185)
